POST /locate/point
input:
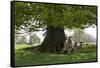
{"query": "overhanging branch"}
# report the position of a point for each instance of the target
(27, 32)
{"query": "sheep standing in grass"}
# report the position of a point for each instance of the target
(71, 46)
(68, 45)
(77, 46)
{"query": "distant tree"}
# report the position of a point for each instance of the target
(17, 36)
(80, 36)
(34, 39)
(22, 40)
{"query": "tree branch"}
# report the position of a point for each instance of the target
(31, 31)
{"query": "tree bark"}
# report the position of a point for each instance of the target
(54, 40)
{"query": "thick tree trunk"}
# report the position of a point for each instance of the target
(54, 40)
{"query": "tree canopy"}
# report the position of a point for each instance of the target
(36, 16)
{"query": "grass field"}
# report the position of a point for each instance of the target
(25, 56)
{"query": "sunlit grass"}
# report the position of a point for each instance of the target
(24, 56)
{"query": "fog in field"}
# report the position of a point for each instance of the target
(90, 31)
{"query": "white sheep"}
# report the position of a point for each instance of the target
(68, 45)
(71, 46)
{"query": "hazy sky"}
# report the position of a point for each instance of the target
(91, 31)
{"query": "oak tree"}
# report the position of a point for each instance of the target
(54, 18)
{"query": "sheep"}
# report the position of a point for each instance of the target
(68, 45)
(77, 46)
(71, 46)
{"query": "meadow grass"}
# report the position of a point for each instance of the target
(24, 56)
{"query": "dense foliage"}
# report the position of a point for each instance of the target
(36, 16)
